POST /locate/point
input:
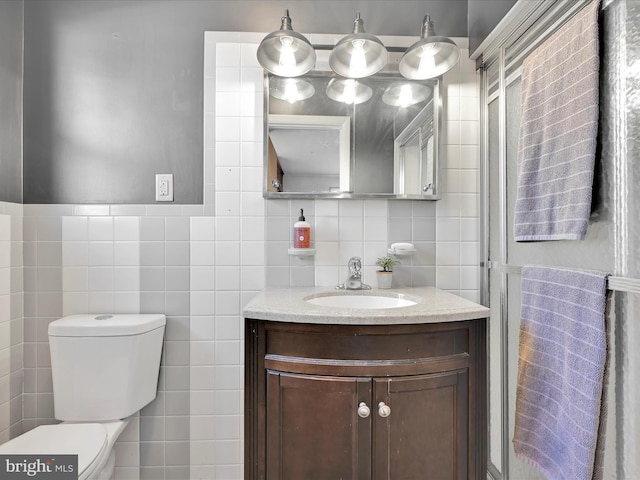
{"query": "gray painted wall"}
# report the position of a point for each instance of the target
(11, 101)
(113, 89)
(483, 17)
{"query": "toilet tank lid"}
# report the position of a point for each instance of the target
(105, 325)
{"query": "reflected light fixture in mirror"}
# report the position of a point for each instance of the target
(359, 54)
(291, 90)
(405, 94)
(348, 90)
(429, 57)
(286, 53)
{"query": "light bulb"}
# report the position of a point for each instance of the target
(427, 59)
(358, 63)
(291, 93)
(406, 98)
(349, 95)
(287, 57)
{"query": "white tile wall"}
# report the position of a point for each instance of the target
(201, 264)
(5, 327)
(11, 320)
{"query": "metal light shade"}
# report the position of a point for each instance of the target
(358, 55)
(404, 94)
(348, 91)
(290, 90)
(429, 57)
(286, 53)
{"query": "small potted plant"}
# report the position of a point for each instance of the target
(385, 276)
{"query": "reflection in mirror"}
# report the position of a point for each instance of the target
(344, 138)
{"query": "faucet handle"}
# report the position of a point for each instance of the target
(355, 265)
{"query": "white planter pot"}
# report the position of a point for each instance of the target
(384, 279)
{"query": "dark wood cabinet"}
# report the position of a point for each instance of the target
(402, 402)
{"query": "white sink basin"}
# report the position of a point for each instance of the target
(361, 301)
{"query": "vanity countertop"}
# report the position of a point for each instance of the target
(433, 306)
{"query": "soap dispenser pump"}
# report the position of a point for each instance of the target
(301, 232)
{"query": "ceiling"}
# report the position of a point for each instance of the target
(381, 17)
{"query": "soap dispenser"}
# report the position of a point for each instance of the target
(301, 232)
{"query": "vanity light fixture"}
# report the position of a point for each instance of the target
(348, 90)
(291, 90)
(359, 54)
(404, 94)
(286, 53)
(429, 57)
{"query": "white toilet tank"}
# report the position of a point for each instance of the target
(104, 367)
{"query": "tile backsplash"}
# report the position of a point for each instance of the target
(200, 264)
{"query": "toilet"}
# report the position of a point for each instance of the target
(105, 369)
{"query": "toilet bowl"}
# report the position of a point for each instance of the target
(105, 368)
(92, 442)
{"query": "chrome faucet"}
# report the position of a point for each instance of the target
(354, 282)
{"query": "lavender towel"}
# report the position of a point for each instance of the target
(562, 362)
(558, 133)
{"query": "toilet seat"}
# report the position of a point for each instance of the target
(88, 440)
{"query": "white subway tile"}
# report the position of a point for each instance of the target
(202, 277)
(227, 79)
(73, 303)
(227, 54)
(328, 276)
(203, 228)
(75, 279)
(252, 228)
(252, 253)
(203, 303)
(248, 56)
(126, 228)
(252, 204)
(227, 203)
(126, 253)
(126, 279)
(228, 104)
(227, 154)
(448, 229)
(75, 228)
(100, 253)
(101, 302)
(448, 254)
(227, 278)
(101, 228)
(227, 303)
(227, 253)
(251, 103)
(375, 208)
(251, 129)
(202, 328)
(448, 278)
(228, 129)
(375, 229)
(251, 278)
(327, 229)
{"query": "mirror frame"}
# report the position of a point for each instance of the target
(392, 68)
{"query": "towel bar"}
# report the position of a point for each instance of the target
(617, 284)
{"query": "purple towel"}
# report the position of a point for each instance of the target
(562, 363)
(558, 132)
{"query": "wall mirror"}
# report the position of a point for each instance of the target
(331, 137)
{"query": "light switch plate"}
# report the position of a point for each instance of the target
(164, 187)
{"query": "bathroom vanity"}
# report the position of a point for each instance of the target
(364, 393)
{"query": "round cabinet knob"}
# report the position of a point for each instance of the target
(363, 410)
(384, 410)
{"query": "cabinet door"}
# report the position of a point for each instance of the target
(425, 436)
(313, 427)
